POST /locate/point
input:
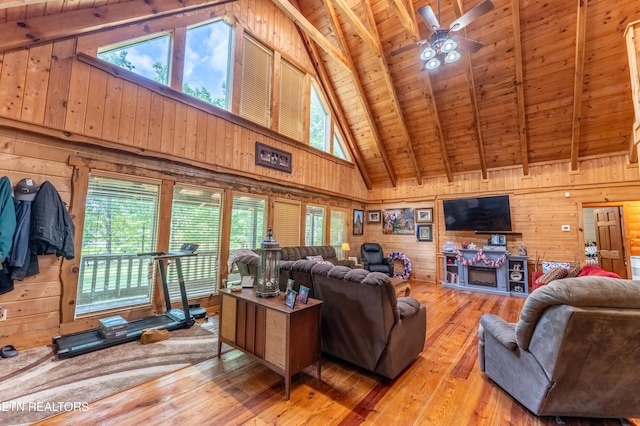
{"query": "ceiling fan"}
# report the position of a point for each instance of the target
(440, 46)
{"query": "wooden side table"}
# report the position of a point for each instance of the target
(283, 339)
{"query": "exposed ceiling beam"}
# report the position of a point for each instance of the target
(357, 25)
(407, 19)
(386, 73)
(298, 19)
(325, 81)
(431, 99)
(578, 82)
(633, 150)
(25, 32)
(522, 120)
(361, 94)
(457, 6)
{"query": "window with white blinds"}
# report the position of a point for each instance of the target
(314, 226)
(121, 219)
(286, 223)
(338, 230)
(291, 101)
(248, 220)
(256, 85)
(196, 218)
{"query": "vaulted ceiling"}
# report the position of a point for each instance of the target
(551, 82)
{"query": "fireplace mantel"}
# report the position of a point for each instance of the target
(491, 271)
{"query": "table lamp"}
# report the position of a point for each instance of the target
(345, 249)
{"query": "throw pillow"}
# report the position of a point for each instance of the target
(574, 272)
(553, 274)
(316, 259)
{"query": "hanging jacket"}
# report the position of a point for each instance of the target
(7, 218)
(51, 225)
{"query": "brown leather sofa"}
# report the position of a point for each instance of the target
(573, 352)
(364, 323)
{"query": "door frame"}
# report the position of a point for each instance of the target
(624, 221)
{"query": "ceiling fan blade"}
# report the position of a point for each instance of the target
(466, 44)
(407, 47)
(429, 18)
(471, 15)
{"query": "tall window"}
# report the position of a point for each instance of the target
(247, 222)
(314, 232)
(195, 218)
(257, 71)
(148, 57)
(338, 230)
(120, 222)
(291, 101)
(286, 222)
(206, 62)
(318, 121)
(338, 145)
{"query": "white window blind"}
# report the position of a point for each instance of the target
(120, 222)
(196, 218)
(286, 223)
(338, 230)
(256, 86)
(314, 226)
(291, 101)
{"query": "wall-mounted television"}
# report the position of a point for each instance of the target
(482, 214)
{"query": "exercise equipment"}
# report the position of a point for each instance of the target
(83, 342)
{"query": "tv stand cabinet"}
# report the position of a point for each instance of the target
(487, 271)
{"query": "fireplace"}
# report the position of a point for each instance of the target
(480, 275)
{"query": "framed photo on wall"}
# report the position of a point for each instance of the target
(425, 233)
(273, 158)
(358, 222)
(373, 216)
(398, 221)
(424, 215)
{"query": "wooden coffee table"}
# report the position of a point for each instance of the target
(402, 286)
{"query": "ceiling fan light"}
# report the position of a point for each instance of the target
(448, 45)
(452, 56)
(432, 64)
(427, 53)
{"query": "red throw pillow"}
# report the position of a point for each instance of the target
(593, 270)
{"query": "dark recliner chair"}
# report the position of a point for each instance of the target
(373, 259)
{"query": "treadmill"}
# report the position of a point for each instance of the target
(83, 342)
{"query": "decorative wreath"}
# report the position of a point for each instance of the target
(407, 264)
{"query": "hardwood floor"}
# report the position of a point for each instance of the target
(442, 387)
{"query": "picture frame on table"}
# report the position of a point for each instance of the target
(424, 215)
(290, 298)
(373, 216)
(303, 294)
(424, 233)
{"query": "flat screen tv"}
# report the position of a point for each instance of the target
(482, 214)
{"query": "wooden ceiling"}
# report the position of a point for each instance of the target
(551, 82)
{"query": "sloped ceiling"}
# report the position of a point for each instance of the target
(551, 82)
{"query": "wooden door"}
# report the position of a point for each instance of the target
(611, 255)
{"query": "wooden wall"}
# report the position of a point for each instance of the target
(539, 207)
(54, 106)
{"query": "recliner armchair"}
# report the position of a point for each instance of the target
(573, 352)
(373, 259)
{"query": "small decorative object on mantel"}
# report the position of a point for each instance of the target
(472, 246)
(449, 246)
(268, 271)
(522, 250)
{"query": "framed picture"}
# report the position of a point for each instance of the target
(303, 295)
(355, 259)
(273, 158)
(425, 233)
(290, 298)
(424, 215)
(373, 216)
(358, 223)
(398, 221)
